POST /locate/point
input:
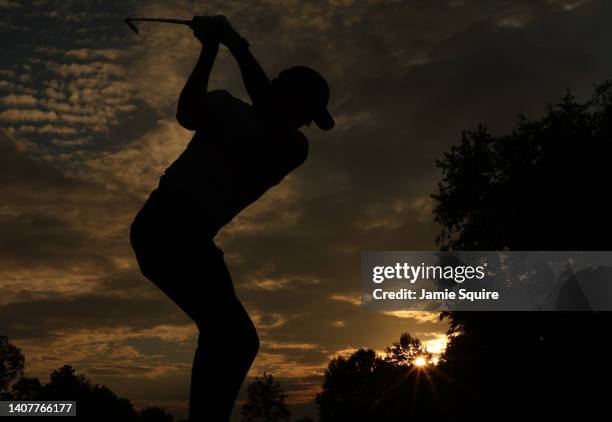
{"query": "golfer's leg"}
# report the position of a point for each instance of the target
(191, 271)
(227, 346)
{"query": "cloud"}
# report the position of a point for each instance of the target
(18, 100)
(353, 300)
(91, 53)
(295, 283)
(139, 164)
(16, 88)
(54, 94)
(77, 97)
(101, 69)
(434, 342)
(40, 231)
(47, 129)
(275, 345)
(268, 321)
(9, 4)
(71, 142)
(107, 352)
(8, 73)
(20, 173)
(419, 316)
(20, 115)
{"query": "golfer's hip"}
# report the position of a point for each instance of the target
(168, 226)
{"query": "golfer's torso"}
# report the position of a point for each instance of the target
(232, 162)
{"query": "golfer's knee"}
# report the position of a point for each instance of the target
(237, 332)
(249, 346)
(248, 333)
(252, 342)
(245, 336)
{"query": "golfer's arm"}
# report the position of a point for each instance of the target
(190, 103)
(255, 80)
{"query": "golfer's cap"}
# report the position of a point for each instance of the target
(314, 87)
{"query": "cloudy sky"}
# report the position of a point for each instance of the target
(87, 127)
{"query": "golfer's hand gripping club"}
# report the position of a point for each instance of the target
(216, 29)
(207, 29)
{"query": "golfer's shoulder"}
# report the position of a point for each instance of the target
(298, 145)
(221, 96)
(235, 106)
(301, 140)
(230, 109)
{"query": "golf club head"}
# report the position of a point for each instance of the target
(129, 23)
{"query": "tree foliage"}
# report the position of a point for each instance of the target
(406, 350)
(542, 187)
(266, 401)
(11, 367)
(366, 387)
(94, 402)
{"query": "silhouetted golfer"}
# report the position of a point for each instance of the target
(237, 153)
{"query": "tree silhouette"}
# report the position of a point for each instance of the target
(369, 387)
(11, 367)
(94, 403)
(539, 188)
(266, 401)
(27, 389)
(406, 350)
(353, 387)
(155, 414)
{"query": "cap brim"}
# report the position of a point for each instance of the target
(324, 119)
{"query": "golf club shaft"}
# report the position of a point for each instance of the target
(179, 21)
(130, 22)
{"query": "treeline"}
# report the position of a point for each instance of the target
(361, 385)
(94, 402)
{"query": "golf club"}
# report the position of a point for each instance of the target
(130, 22)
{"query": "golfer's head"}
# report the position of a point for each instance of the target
(304, 94)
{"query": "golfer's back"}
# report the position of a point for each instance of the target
(232, 160)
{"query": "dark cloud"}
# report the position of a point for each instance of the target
(51, 219)
(44, 319)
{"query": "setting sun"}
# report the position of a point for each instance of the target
(420, 361)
